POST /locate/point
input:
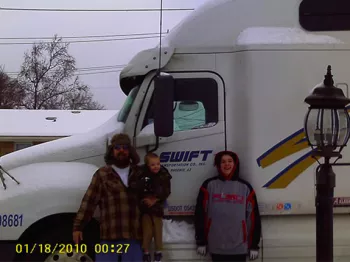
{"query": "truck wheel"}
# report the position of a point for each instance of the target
(51, 237)
(68, 257)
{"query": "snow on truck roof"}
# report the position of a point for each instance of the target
(282, 35)
(51, 123)
(218, 23)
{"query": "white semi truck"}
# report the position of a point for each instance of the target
(238, 70)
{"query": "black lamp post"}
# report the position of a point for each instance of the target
(327, 129)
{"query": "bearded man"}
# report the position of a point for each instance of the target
(112, 189)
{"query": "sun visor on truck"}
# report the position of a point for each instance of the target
(325, 15)
(142, 63)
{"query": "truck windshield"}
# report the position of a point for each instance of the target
(124, 112)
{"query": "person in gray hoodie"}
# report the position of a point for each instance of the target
(227, 219)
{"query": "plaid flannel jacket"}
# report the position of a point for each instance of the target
(118, 205)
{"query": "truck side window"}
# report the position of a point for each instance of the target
(195, 106)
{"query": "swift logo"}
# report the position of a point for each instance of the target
(184, 156)
(294, 143)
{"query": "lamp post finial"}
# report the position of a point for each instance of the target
(328, 78)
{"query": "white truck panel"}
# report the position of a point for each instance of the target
(45, 189)
(259, 107)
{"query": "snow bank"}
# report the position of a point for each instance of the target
(177, 232)
(282, 35)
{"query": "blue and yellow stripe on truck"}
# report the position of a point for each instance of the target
(288, 146)
(292, 144)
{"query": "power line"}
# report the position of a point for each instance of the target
(93, 10)
(83, 41)
(87, 69)
(99, 67)
(96, 73)
(77, 37)
(98, 88)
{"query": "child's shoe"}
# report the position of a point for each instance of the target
(158, 257)
(147, 257)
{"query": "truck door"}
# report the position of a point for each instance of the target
(199, 133)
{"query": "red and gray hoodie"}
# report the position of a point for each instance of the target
(227, 217)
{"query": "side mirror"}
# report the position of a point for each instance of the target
(163, 104)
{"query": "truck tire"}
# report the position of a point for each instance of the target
(45, 241)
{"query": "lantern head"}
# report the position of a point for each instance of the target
(327, 122)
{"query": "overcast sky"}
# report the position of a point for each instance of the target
(93, 54)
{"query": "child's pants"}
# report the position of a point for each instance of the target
(152, 226)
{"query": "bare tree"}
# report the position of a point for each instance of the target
(11, 92)
(79, 99)
(82, 99)
(48, 72)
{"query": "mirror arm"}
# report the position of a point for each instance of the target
(156, 147)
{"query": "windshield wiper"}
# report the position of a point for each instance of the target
(2, 172)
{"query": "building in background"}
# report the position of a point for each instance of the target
(23, 128)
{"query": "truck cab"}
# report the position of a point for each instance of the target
(232, 75)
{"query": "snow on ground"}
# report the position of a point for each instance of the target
(177, 232)
(282, 35)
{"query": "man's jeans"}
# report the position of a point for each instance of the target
(123, 251)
